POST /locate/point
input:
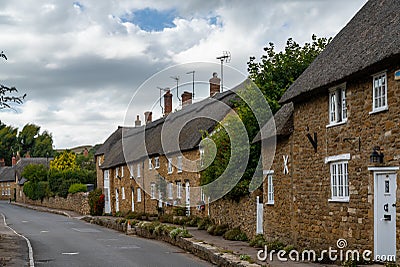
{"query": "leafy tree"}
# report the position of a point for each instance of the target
(273, 75)
(66, 160)
(277, 71)
(8, 142)
(43, 145)
(7, 94)
(35, 172)
(36, 144)
(27, 137)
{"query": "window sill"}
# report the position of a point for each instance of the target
(270, 203)
(156, 167)
(179, 171)
(333, 124)
(169, 172)
(339, 200)
(379, 110)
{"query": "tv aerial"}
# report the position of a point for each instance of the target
(192, 72)
(176, 78)
(165, 89)
(226, 57)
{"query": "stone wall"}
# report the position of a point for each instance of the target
(240, 214)
(77, 202)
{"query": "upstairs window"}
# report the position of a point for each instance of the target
(179, 164)
(139, 195)
(156, 162)
(379, 92)
(123, 192)
(170, 166)
(201, 150)
(150, 164)
(270, 192)
(169, 190)
(117, 172)
(130, 166)
(122, 171)
(337, 105)
(153, 190)
(138, 170)
(178, 189)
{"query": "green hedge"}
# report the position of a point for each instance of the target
(76, 188)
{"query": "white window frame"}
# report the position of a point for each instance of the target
(179, 190)
(179, 164)
(169, 191)
(139, 194)
(337, 105)
(379, 92)
(99, 161)
(170, 167)
(270, 188)
(130, 166)
(201, 151)
(122, 171)
(202, 195)
(123, 192)
(116, 172)
(153, 190)
(156, 162)
(138, 170)
(339, 172)
(150, 164)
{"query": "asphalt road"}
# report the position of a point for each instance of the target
(60, 241)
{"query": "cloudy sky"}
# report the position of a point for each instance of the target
(81, 62)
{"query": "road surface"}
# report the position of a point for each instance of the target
(61, 241)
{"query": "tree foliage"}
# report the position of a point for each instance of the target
(64, 161)
(276, 71)
(8, 142)
(35, 172)
(7, 94)
(273, 75)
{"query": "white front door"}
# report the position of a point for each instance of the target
(107, 204)
(385, 216)
(187, 202)
(133, 199)
(116, 200)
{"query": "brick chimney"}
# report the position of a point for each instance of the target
(2, 162)
(138, 122)
(167, 103)
(148, 116)
(186, 98)
(215, 84)
(13, 161)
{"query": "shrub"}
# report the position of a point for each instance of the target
(179, 232)
(166, 218)
(64, 187)
(221, 229)
(204, 223)
(211, 229)
(36, 190)
(258, 241)
(192, 221)
(179, 211)
(275, 245)
(75, 188)
(236, 235)
(96, 202)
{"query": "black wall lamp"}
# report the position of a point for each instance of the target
(376, 156)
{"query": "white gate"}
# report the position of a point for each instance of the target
(260, 213)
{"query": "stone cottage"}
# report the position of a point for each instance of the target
(334, 175)
(154, 167)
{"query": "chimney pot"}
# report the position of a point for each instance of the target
(186, 98)
(167, 103)
(13, 161)
(2, 162)
(215, 84)
(148, 116)
(138, 122)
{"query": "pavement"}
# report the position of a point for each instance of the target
(235, 247)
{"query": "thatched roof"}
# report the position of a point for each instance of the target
(7, 174)
(367, 44)
(283, 123)
(187, 125)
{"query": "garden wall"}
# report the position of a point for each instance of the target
(77, 202)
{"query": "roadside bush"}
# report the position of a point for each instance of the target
(64, 187)
(166, 218)
(179, 232)
(76, 188)
(204, 223)
(179, 211)
(96, 202)
(192, 221)
(258, 241)
(236, 235)
(220, 229)
(36, 190)
(211, 229)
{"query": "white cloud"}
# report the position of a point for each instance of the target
(80, 64)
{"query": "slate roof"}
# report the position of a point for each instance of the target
(283, 123)
(187, 124)
(367, 44)
(7, 174)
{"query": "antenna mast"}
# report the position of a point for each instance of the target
(192, 72)
(176, 78)
(226, 56)
(166, 89)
